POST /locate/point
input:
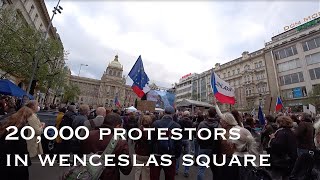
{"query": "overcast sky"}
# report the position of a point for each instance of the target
(173, 38)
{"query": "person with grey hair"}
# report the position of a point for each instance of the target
(34, 148)
(95, 123)
(84, 111)
(79, 120)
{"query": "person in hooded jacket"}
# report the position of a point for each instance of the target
(210, 146)
(304, 134)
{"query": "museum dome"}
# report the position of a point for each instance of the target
(115, 63)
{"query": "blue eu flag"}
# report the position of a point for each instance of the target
(138, 75)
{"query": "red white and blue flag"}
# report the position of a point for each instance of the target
(116, 101)
(222, 90)
(140, 78)
(279, 104)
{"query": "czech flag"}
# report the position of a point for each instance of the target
(116, 101)
(279, 104)
(140, 78)
(223, 92)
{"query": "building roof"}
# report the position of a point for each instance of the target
(115, 63)
(189, 103)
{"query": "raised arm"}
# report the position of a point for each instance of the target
(217, 108)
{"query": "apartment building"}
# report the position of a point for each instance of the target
(183, 89)
(293, 63)
(248, 75)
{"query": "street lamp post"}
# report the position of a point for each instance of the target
(56, 9)
(80, 68)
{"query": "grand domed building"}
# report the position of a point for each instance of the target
(104, 91)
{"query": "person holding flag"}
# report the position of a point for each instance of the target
(140, 79)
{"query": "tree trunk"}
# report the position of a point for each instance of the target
(47, 93)
(33, 86)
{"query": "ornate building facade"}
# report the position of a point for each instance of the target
(103, 92)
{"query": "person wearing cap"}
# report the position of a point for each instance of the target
(165, 122)
(185, 122)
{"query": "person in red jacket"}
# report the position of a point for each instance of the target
(93, 145)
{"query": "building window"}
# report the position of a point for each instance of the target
(311, 44)
(228, 73)
(297, 92)
(35, 18)
(118, 74)
(31, 9)
(286, 66)
(41, 26)
(256, 65)
(286, 52)
(110, 72)
(238, 71)
(314, 73)
(291, 78)
(260, 63)
(247, 67)
(313, 58)
(233, 72)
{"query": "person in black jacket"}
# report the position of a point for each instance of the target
(304, 134)
(158, 148)
(185, 122)
(283, 150)
(65, 146)
(208, 147)
(132, 123)
(14, 147)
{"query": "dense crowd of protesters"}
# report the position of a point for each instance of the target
(292, 141)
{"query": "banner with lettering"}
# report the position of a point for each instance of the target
(222, 90)
(162, 98)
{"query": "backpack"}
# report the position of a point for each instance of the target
(165, 146)
(90, 172)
